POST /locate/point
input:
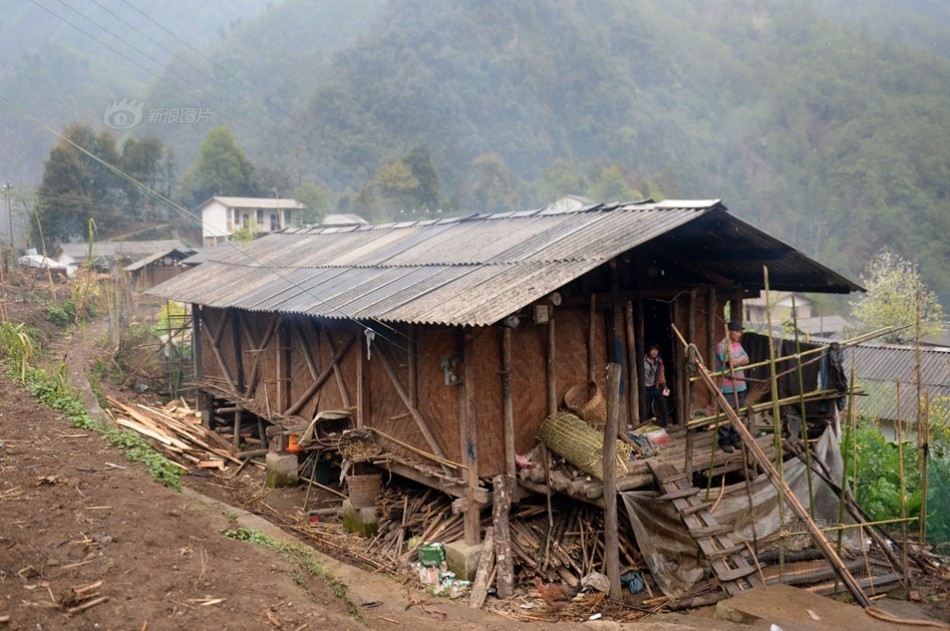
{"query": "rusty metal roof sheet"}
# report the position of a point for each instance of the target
(470, 270)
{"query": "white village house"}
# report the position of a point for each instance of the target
(222, 216)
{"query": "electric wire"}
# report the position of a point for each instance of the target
(255, 256)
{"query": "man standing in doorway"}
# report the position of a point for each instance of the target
(730, 357)
(654, 380)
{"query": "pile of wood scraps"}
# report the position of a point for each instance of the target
(177, 432)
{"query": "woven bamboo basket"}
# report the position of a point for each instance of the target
(580, 444)
(587, 401)
(359, 445)
(364, 489)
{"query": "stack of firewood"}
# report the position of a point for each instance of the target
(175, 430)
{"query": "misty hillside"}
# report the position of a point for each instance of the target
(69, 61)
(825, 123)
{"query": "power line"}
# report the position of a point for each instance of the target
(254, 256)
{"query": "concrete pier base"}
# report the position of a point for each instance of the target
(280, 469)
(361, 521)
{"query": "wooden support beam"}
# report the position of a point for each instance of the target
(285, 380)
(501, 506)
(617, 353)
(507, 407)
(551, 367)
(237, 326)
(197, 337)
(412, 358)
(469, 435)
(305, 345)
(254, 378)
(216, 349)
(363, 412)
(591, 337)
(318, 382)
(611, 535)
(337, 373)
(420, 420)
(633, 379)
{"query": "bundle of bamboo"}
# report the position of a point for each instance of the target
(580, 444)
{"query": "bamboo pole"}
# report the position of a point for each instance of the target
(776, 424)
(801, 393)
(843, 344)
(844, 469)
(611, 536)
(924, 472)
(900, 470)
(763, 461)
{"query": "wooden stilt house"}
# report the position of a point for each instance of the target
(455, 338)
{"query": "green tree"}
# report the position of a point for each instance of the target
(142, 160)
(222, 168)
(559, 180)
(614, 184)
(895, 295)
(496, 189)
(315, 201)
(397, 183)
(77, 187)
(429, 192)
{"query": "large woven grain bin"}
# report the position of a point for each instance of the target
(580, 444)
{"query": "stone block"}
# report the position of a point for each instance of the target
(280, 469)
(462, 559)
(361, 521)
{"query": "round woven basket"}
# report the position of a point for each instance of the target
(364, 489)
(587, 401)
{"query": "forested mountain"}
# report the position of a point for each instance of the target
(823, 122)
(68, 61)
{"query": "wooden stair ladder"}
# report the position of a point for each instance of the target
(726, 555)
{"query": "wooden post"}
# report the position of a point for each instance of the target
(485, 562)
(712, 338)
(284, 380)
(362, 382)
(679, 377)
(611, 536)
(508, 417)
(413, 367)
(591, 337)
(690, 388)
(638, 325)
(501, 507)
(469, 438)
(196, 338)
(617, 335)
(236, 324)
(236, 436)
(633, 382)
(551, 368)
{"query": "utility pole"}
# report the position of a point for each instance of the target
(9, 211)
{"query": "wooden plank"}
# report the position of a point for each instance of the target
(633, 380)
(726, 552)
(695, 508)
(735, 573)
(285, 380)
(709, 531)
(675, 495)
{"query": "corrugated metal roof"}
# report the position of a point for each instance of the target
(471, 270)
(878, 368)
